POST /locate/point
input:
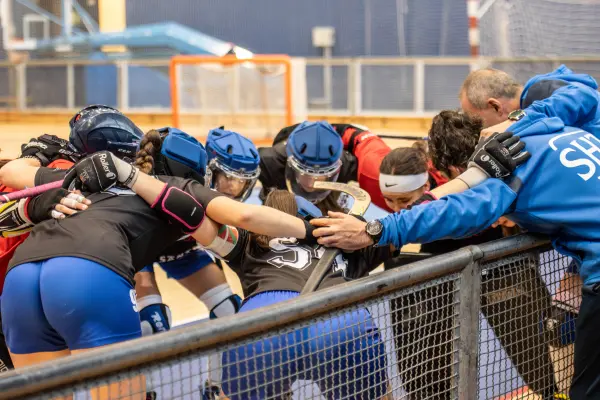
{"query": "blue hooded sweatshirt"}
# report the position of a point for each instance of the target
(556, 192)
(572, 97)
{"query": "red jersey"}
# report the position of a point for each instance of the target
(9, 245)
(369, 149)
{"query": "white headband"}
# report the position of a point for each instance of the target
(402, 183)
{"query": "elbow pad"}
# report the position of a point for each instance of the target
(179, 208)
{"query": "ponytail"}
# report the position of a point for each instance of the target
(149, 147)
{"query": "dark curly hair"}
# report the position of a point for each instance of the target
(452, 139)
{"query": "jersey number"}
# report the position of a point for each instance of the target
(290, 254)
(294, 256)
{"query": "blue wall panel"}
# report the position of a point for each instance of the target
(363, 27)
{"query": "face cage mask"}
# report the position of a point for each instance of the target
(236, 184)
(300, 179)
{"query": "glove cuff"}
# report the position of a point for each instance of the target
(474, 175)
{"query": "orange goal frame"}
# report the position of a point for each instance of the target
(258, 59)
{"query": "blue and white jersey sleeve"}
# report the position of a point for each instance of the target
(575, 104)
(454, 216)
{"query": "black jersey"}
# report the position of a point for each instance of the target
(273, 160)
(118, 230)
(288, 264)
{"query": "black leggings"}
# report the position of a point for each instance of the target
(5, 361)
(586, 375)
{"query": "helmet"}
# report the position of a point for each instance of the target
(181, 155)
(98, 127)
(314, 150)
(234, 163)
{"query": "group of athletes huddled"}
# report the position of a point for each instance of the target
(79, 259)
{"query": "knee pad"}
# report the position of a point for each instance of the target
(229, 306)
(155, 316)
(187, 265)
(180, 208)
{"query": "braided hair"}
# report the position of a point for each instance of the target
(149, 147)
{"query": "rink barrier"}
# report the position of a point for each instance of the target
(431, 308)
(401, 86)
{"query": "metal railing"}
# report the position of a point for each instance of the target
(474, 323)
(337, 87)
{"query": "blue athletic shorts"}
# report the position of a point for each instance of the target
(181, 268)
(344, 356)
(67, 302)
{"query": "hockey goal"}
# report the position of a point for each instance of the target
(252, 96)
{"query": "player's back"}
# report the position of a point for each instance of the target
(559, 192)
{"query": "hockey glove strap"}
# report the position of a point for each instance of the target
(499, 155)
(309, 238)
(179, 208)
(427, 197)
(155, 316)
(14, 219)
(99, 172)
(48, 148)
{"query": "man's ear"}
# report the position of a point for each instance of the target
(427, 186)
(495, 105)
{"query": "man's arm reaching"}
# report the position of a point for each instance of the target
(453, 216)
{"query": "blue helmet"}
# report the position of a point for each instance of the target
(180, 155)
(98, 127)
(314, 151)
(234, 163)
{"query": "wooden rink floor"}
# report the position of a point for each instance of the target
(184, 306)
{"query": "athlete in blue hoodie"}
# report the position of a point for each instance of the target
(556, 193)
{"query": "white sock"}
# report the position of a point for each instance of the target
(148, 301)
(217, 302)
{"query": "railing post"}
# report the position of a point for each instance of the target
(419, 85)
(21, 86)
(354, 87)
(123, 85)
(70, 86)
(468, 331)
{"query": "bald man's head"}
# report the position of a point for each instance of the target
(491, 94)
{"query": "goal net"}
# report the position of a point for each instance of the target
(256, 96)
(547, 32)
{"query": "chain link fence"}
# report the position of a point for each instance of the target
(481, 322)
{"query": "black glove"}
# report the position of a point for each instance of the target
(48, 148)
(39, 208)
(99, 172)
(499, 155)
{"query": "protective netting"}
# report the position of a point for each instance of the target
(551, 29)
(240, 96)
(406, 344)
(526, 28)
(527, 321)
